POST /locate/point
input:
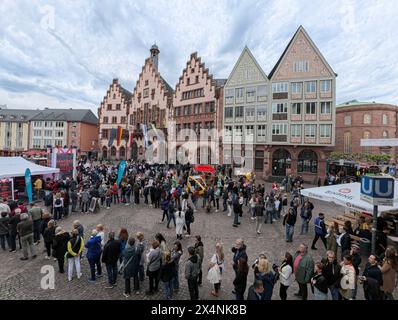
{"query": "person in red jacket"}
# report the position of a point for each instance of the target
(115, 193)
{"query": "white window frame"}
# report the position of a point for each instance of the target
(295, 130)
(239, 94)
(236, 113)
(229, 96)
(232, 113)
(228, 131)
(251, 94)
(279, 129)
(297, 87)
(326, 85)
(250, 111)
(325, 130)
(262, 92)
(279, 107)
(310, 130)
(311, 103)
(301, 66)
(261, 130)
(367, 118)
(324, 104)
(346, 122)
(280, 87)
(310, 87)
(294, 108)
(384, 119)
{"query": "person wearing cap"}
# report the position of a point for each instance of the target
(25, 231)
(320, 231)
(94, 251)
(60, 247)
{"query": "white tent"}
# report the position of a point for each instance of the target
(348, 195)
(11, 167)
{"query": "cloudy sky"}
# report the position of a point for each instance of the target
(66, 53)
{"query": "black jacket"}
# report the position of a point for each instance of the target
(48, 235)
(14, 222)
(345, 242)
(374, 272)
(60, 245)
(320, 283)
(290, 219)
(241, 253)
(111, 252)
(240, 282)
(331, 272)
(167, 271)
(259, 209)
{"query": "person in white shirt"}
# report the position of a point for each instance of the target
(285, 275)
(4, 207)
(180, 222)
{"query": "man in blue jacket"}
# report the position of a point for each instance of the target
(320, 231)
(94, 252)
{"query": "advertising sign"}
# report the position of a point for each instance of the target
(377, 190)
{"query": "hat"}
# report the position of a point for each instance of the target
(354, 245)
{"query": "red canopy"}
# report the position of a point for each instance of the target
(205, 168)
(31, 153)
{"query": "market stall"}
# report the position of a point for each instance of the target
(13, 169)
(348, 196)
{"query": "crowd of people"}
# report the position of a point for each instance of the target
(165, 188)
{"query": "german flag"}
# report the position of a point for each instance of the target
(119, 135)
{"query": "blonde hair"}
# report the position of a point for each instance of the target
(51, 224)
(76, 223)
(100, 227)
(219, 250)
(263, 265)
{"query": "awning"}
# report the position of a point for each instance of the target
(348, 195)
(11, 167)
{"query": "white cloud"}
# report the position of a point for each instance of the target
(72, 64)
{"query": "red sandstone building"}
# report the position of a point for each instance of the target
(365, 120)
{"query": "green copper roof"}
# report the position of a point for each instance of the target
(355, 103)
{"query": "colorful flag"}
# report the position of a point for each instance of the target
(131, 138)
(28, 185)
(112, 137)
(119, 135)
(120, 173)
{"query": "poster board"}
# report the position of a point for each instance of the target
(64, 159)
(5, 189)
(93, 204)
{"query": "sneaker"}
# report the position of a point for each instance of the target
(313, 248)
(47, 257)
(258, 232)
(235, 225)
(24, 259)
(34, 257)
(126, 295)
(252, 218)
(137, 293)
(228, 215)
(55, 259)
(91, 280)
(109, 286)
(79, 276)
(99, 275)
(13, 250)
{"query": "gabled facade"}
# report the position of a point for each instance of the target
(289, 115)
(150, 104)
(196, 104)
(246, 110)
(112, 113)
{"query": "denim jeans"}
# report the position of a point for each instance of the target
(141, 272)
(289, 232)
(236, 220)
(108, 202)
(111, 269)
(304, 226)
(319, 295)
(253, 211)
(3, 239)
(168, 289)
(268, 214)
(93, 263)
(13, 240)
(334, 292)
(224, 203)
(171, 217)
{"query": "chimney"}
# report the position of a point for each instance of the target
(155, 55)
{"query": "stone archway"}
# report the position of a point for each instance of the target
(281, 160)
(104, 152)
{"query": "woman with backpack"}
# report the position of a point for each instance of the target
(58, 206)
(60, 247)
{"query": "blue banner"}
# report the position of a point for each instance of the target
(120, 173)
(28, 184)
